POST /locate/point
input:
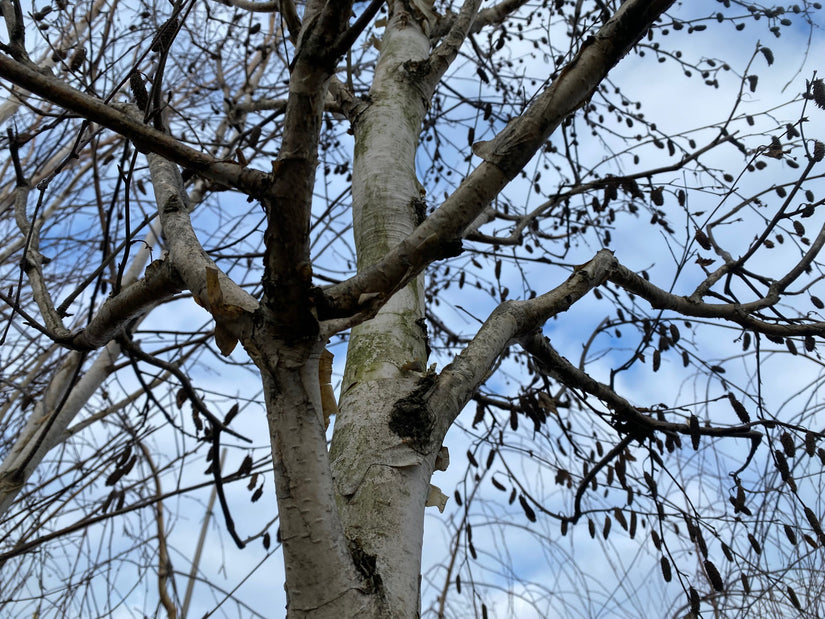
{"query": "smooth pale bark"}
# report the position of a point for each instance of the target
(382, 481)
(382, 478)
(504, 156)
(321, 578)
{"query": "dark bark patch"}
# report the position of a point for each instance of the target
(453, 248)
(172, 205)
(366, 566)
(422, 324)
(419, 207)
(410, 417)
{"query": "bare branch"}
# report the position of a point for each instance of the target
(509, 322)
(503, 157)
(145, 138)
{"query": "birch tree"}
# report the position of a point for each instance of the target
(194, 190)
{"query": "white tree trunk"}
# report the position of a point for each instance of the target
(380, 479)
(321, 579)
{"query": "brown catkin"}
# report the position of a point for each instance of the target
(714, 576)
(793, 598)
(727, 552)
(139, 90)
(818, 92)
(693, 425)
(166, 33)
(666, 573)
(757, 548)
(788, 444)
(739, 409)
(810, 443)
(77, 59)
(694, 601)
(702, 239)
(819, 150)
(814, 522)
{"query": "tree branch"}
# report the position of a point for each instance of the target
(443, 55)
(345, 41)
(230, 305)
(254, 7)
(504, 156)
(287, 272)
(509, 321)
(147, 139)
(628, 419)
(739, 313)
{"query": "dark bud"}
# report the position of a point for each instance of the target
(739, 409)
(793, 598)
(471, 459)
(124, 456)
(666, 573)
(788, 444)
(694, 602)
(246, 466)
(757, 548)
(528, 511)
(810, 443)
(693, 425)
(39, 15)
(254, 136)
(727, 552)
(814, 522)
(127, 468)
(114, 477)
(702, 239)
(231, 414)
